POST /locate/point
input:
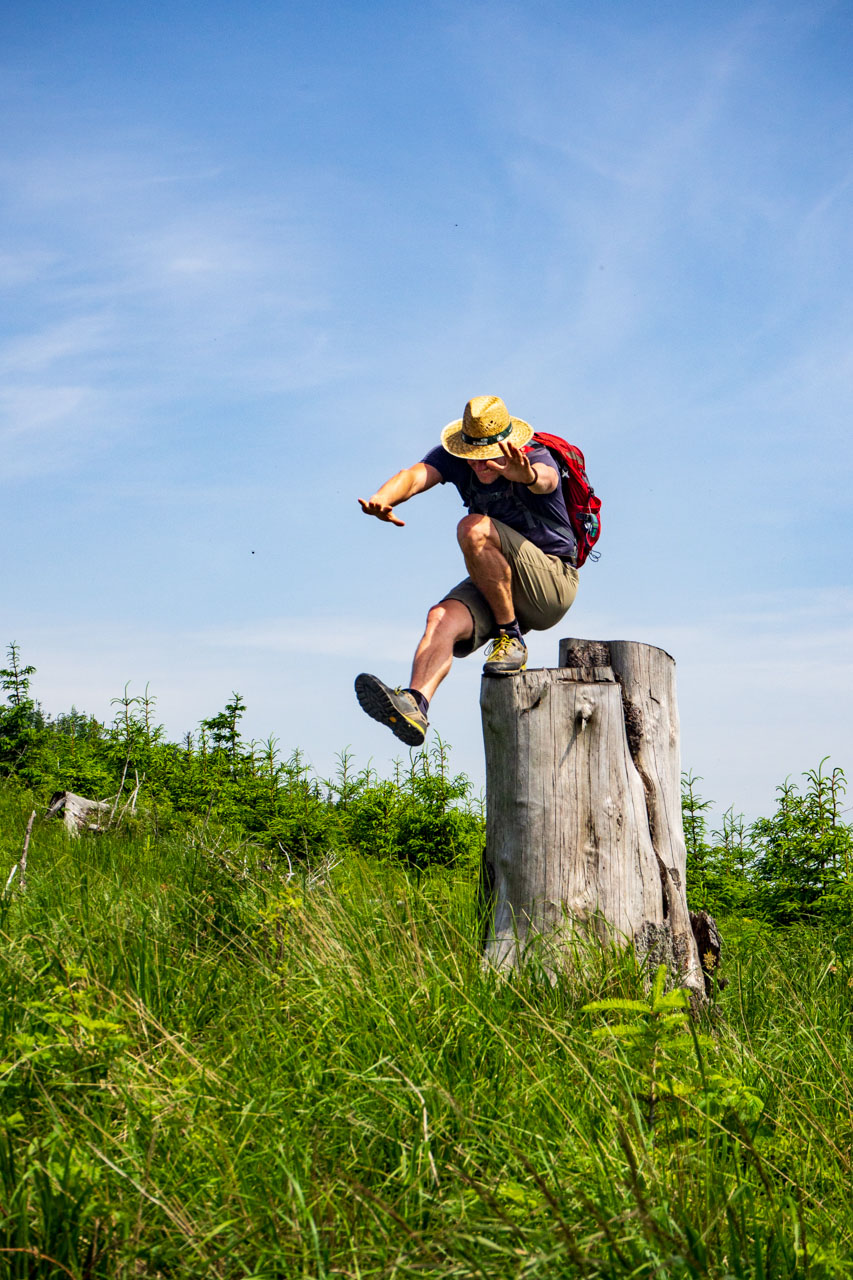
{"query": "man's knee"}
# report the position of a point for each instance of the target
(451, 617)
(475, 531)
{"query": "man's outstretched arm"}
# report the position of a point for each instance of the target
(404, 485)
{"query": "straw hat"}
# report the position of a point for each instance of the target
(483, 428)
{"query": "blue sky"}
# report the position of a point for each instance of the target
(253, 259)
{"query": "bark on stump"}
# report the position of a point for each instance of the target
(583, 788)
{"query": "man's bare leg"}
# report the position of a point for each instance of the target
(490, 571)
(487, 565)
(447, 622)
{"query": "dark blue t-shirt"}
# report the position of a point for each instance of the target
(512, 504)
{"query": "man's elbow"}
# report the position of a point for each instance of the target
(553, 479)
(417, 478)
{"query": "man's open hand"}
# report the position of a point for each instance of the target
(381, 511)
(515, 464)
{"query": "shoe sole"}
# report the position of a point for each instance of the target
(376, 701)
(508, 671)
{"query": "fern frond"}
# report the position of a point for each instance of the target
(658, 984)
(621, 1030)
(677, 999)
(627, 1006)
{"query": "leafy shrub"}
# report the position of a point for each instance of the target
(417, 816)
(796, 865)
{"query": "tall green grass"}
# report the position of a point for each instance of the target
(213, 1068)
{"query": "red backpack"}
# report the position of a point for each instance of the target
(581, 503)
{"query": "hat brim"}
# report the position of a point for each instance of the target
(451, 439)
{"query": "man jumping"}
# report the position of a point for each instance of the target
(519, 550)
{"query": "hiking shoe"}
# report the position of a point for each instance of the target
(392, 707)
(505, 655)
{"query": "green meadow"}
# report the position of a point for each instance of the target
(228, 1055)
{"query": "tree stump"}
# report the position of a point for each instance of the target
(584, 831)
(77, 811)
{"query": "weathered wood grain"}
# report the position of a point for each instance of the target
(583, 793)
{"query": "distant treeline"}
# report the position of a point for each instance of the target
(424, 815)
(794, 866)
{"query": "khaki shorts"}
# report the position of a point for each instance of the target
(543, 589)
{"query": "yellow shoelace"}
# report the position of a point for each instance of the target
(499, 644)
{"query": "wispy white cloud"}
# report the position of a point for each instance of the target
(169, 284)
(97, 179)
(329, 637)
(69, 342)
(51, 400)
(29, 411)
(23, 266)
